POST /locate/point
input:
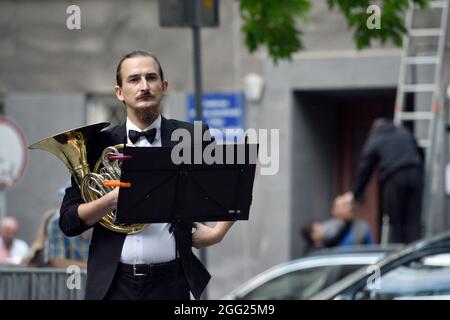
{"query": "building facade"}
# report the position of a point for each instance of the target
(322, 102)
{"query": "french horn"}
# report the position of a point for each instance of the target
(71, 148)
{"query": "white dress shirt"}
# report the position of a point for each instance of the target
(154, 244)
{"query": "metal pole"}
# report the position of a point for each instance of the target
(197, 74)
(2, 204)
(198, 90)
(445, 108)
(385, 226)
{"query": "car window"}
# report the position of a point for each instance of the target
(300, 284)
(348, 269)
(423, 277)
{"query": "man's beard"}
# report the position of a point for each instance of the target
(147, 114)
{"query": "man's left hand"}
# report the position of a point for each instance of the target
(343, 206)
(204, 236)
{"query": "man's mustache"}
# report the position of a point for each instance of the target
(145, 96)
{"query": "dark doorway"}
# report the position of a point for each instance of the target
(330, 128)
(357, 110)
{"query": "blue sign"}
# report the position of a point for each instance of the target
(221, 111)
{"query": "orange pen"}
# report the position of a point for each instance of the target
(116, 183)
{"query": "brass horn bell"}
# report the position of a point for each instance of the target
(70, 148)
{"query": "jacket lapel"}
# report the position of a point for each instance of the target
(167, 127)
(118, 134)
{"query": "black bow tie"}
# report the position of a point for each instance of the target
(135, 135)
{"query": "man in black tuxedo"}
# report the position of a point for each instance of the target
(158, 262)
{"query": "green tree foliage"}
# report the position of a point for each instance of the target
(272, 23)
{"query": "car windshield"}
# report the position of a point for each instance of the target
(427, 276)
(299, 284)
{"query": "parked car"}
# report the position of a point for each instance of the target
(304, 277)
(420, 271)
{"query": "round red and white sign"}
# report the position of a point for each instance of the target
(13, 152)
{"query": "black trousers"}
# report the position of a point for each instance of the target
(165, 281)
(401, 197)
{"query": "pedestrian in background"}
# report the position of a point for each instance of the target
(394, 150)
(12, 249)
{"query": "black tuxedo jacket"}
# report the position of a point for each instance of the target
(106, 246)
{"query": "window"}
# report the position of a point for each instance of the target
(426, 277)
(300, 284)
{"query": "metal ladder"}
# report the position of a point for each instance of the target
(409, 61)
(425, 114)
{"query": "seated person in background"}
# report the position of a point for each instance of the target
(12, 250)
(62, 251)
(321, 234)
(358, 230)
(36, 255)
(341, 231)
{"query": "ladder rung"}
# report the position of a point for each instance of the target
(415, 115)
(428, 32)
(425, 87)
(438, 4)
(424, 143)
(422, 60)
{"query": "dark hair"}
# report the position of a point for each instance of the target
(378, 122)
(306, 231)
(133, 54)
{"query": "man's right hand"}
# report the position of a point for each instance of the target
(93, 211)
(112, 198)
(343, 206)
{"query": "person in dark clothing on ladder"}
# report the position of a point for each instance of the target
(394, 150)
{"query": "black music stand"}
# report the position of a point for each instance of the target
(162, 191)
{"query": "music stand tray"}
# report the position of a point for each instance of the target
(162, 191)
